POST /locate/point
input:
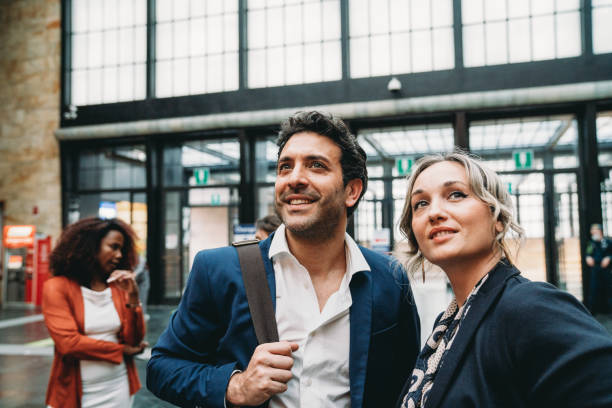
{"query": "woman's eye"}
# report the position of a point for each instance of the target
(457, 194)
(419, 204)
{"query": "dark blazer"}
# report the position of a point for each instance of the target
(525, 344)
(211, 333)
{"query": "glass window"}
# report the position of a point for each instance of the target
(109, 50)
(504, 31)
(525, 143)
(527, 192)
(400, 36)
(197, 47)
(405, 142)
(293, 42)
(266, 152)
(112, 168)
(202, 163)
(604, 138)
(127, 206)
(602, 29)
(604, 146)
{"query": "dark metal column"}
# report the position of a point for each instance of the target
(387, 207)
(458, 34)
(246, 211)
(155, 221)
(550, 222)
(589, 189)
(66, 60)
(462, 131)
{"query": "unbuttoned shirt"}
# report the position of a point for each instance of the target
(321, 363)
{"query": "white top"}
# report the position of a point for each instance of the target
(321, 364)
(102, 323)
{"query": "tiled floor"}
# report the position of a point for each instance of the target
(26, 351)
(23, 377)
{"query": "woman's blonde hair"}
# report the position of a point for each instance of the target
(484, 183)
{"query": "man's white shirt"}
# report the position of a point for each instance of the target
(321, 364)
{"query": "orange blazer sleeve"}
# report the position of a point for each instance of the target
(61, 308)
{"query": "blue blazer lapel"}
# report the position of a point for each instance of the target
(485, 297)
(361, 325)
(264, 247)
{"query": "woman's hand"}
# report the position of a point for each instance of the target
(131, 350)
(125, 280)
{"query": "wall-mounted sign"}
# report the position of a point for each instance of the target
(523, 159)
(16, 236)
(403, 165)
(381, 240)
(243, 232)
(201, 175)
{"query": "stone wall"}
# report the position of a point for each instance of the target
(30, 52)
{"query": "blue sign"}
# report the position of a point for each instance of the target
(243, 232)
(107, 210)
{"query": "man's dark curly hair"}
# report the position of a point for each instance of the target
(353, 159)
(76, 253)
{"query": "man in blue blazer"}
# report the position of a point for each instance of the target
(347, 322)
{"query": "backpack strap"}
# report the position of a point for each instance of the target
(257, 291)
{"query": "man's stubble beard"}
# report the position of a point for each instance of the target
(321, 225)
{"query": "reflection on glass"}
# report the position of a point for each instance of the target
(400, 36)
(115, 167)
(412, 141)
(501, 32)
(547, 138)
(109, 44)
(293, 42)
(202, 162)
(197, 47)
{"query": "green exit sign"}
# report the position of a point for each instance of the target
(523, 159)
(403, 165)
(201, 175)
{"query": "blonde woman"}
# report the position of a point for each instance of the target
(503, 341)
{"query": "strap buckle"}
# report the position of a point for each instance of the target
(245, 242)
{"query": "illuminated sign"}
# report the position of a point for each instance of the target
(16, 236)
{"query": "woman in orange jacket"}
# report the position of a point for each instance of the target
(94, 316)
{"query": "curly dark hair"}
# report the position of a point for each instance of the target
(353, 159)
(76, 253)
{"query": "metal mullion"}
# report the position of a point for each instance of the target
(345, 39)
(151, 40)
(586, 13)
(243, 67)
(66, 57)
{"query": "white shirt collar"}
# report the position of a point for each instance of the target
(355, 261)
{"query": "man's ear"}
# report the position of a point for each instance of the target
(353, 190)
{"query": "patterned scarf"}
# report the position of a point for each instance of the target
(431, 357)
